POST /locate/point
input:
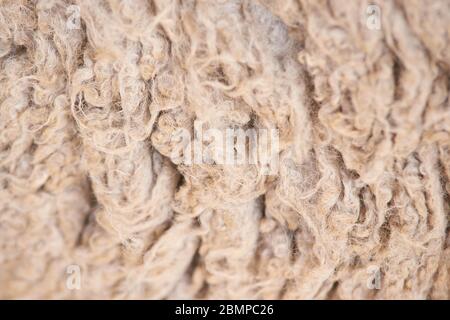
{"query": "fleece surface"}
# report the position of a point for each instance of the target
(93, 205)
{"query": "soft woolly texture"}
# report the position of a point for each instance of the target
(87, 116)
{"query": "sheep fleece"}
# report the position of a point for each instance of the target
(92, 93)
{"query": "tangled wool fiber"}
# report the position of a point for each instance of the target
(89, 106)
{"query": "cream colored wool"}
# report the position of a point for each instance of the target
(87, 116)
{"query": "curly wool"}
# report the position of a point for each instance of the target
(86, 176)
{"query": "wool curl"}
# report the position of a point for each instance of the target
(88, 115)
